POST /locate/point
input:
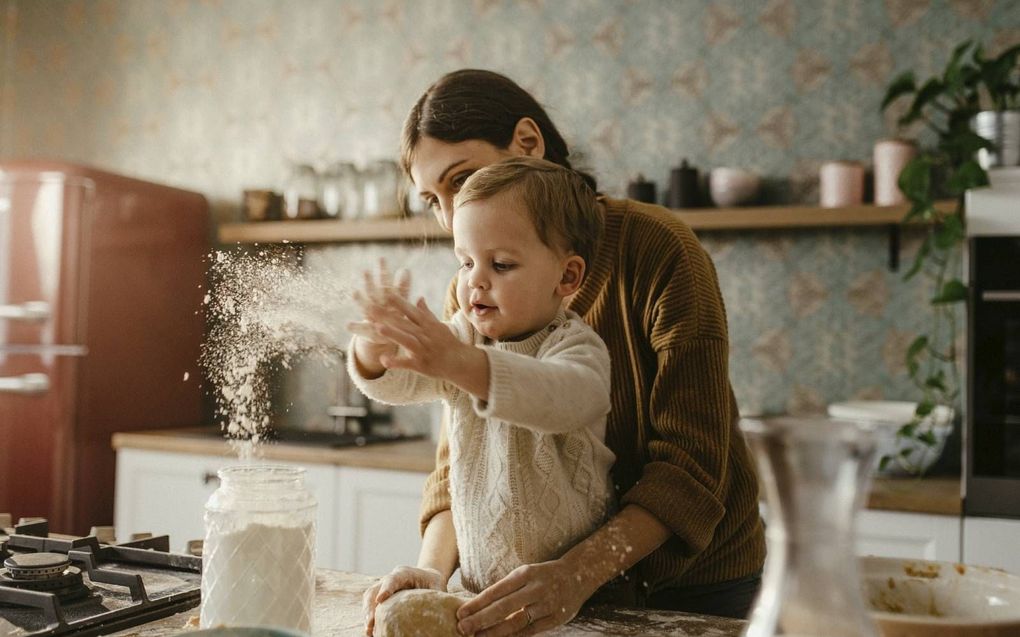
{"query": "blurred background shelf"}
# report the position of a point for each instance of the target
(418, 228)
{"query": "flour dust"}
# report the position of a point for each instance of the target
(266, 307)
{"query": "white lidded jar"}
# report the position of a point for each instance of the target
(258, 559)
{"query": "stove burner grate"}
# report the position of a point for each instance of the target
(44, 573)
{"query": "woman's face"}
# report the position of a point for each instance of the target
(439, 170)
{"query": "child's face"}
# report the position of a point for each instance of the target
(510, 283)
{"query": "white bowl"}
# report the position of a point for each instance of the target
(915, 598)
(732, 186)
(887, 416)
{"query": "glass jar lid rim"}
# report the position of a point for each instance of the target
(261, 472)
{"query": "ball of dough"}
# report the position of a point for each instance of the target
(418, 613)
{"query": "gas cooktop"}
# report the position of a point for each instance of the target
(59, 585)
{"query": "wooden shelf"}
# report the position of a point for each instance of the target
(417, 228)
(332, 231)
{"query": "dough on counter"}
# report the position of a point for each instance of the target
(418, 613)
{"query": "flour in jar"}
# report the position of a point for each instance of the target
(260, 575)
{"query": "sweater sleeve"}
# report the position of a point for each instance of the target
(564, 389)
(436, 494)
(691, 413)
(396, 386)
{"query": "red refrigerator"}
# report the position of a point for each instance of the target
(101, 285)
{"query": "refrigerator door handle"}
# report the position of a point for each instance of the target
(25, 384)
(28, 311)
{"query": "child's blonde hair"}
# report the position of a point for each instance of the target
(561, 205)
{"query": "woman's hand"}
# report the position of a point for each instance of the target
(533, 598)
(400, 578)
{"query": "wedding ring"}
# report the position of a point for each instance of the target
(527, 613)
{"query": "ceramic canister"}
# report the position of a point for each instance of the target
(890, 156)
(841, 183)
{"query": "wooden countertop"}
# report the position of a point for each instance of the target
(408, 455)
(337, 613)
(938, 495)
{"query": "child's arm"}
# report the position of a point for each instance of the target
(429, 347)
(564, 390)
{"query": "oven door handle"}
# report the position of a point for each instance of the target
(1001, 296)
(27, 311)
(25, 384)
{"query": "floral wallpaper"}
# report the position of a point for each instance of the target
(220, 95)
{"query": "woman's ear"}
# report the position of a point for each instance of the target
(527, 139)
(573, 274)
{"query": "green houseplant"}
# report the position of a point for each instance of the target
(945, 168)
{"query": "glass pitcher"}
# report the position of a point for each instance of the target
(815, 473)
(258, 559)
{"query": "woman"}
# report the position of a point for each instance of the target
(687, 535)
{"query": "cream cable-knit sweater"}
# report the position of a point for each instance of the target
(529, 470)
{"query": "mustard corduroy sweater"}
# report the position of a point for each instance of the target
(652, 294)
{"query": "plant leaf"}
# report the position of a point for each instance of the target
(916, 346)
(928, 92)
(953, 291)
(907, 430)
(936, 381)
(915, 180)
(922, 254)
(924, 408)
(949, 233)
(963, 142)
(927, 438)
(953, 78)
(968, 175)
(902, 85)
(884, 462)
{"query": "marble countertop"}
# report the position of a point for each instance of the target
(937, 495)
(337, 613)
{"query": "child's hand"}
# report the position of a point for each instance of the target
(373, 301)
(427, 345)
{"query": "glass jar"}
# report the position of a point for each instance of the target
(381, 189)
(301, 193)
(815, 473)
(258, 558)
(340, 191)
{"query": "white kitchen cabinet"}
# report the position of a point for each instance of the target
(992, 542)
(908, 535)
(165, 493)
(377, 523)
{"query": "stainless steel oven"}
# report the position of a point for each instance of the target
(992, 458)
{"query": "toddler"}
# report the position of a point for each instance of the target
(525, 380)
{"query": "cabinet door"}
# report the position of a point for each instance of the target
(908, 535)
(992, 542)
(378, 519)
(165, 493)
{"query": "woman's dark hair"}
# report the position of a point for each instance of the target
(477, 104)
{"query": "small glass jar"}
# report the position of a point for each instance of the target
(340, 191)
(301, 193)
(381, 189)
(258, 557)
